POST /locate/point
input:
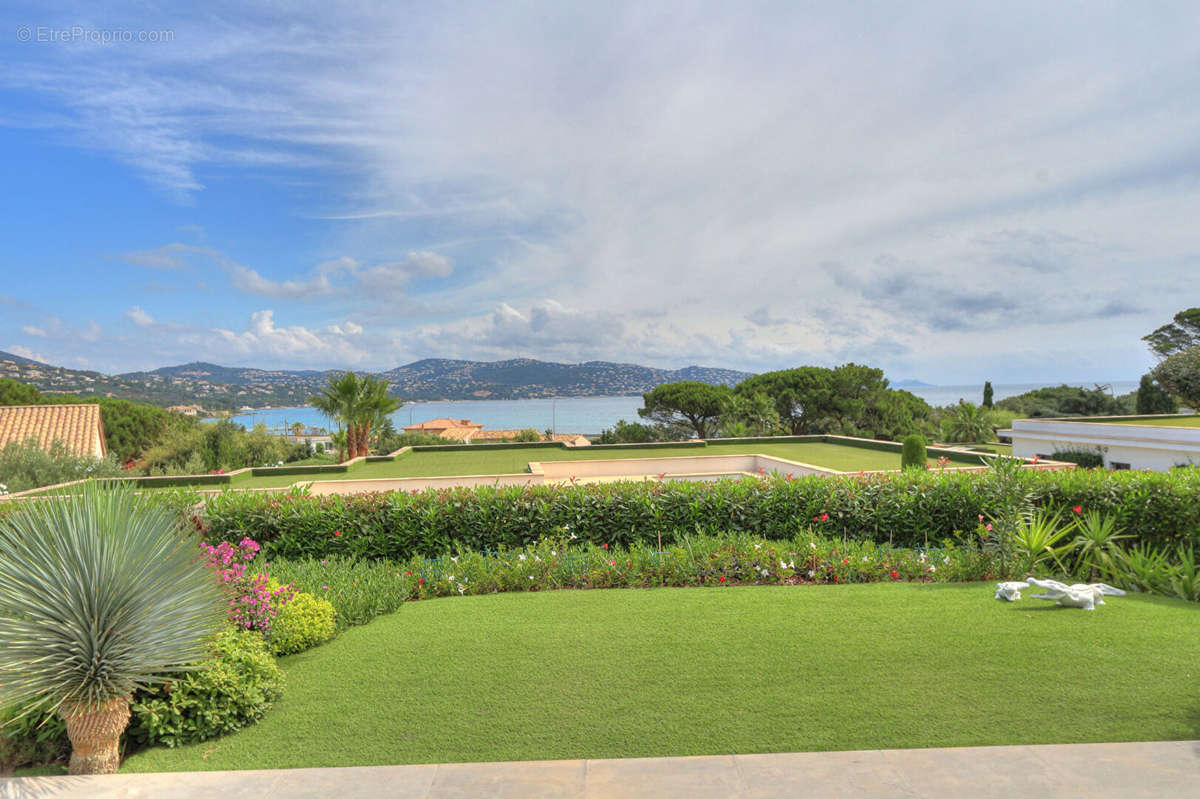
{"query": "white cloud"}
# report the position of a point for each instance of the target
(139, 317)
(782, 182)
(169, 256)
(31, 330)
(293, 343)
(25, 352)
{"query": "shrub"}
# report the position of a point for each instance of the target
(1085, 459)
(26, 466)
(252, 602)
(913, 452)
(302, 623)
(359, 590)
(31, 738)
(231, 691)
(907, 509)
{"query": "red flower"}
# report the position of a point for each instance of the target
(824, 517)
(816, 518)
(845, 560)
(1035, 460)
(337, 532)
(604, 546)
(721, 579)
(420, 580)
(1078, 509)
(409, 574)
(895, 576)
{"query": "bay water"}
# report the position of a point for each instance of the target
(588, 415)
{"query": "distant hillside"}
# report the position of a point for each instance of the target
(224, 387)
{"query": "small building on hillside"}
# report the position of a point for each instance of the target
(78, 427)
(187, 410)
(1154, 443)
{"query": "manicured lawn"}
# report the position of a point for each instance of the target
(516, 460)
(636, 673)
(1172, 421)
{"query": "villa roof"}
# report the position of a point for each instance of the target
(78, 427)
(443, 424)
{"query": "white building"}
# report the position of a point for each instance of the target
(1143, 445)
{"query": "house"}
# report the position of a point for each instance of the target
(439, 427)
(1154, 443)
(187, 410)
(78, 427)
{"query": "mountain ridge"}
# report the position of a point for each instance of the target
(217, 387)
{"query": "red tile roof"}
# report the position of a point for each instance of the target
(78, 427)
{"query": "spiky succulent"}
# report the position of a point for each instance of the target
(100, 592)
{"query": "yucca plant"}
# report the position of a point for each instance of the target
(1096, 537)
(101, 593)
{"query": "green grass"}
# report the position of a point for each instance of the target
(638, 673)
(1173, 421)
(516, 460)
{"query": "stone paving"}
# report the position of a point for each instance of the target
(1154, 770)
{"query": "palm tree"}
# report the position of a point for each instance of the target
(341, 402)
(101, 593)
(374, 406)
(969, 423)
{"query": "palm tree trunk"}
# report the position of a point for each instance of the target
(364, 443)
(95, 734)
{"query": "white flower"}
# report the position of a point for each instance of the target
(461, 590)
(765, 572)
(554, 552)
(946, 560)
(537, 558)
(864, 558)
(758, 546)
(782, 564)
(921, 557)
(791, 564)
(450, 578)
(810, 573)
(454, 559)
(531, 577)
(812, 544)
(573, 536)
(521, 556)
(932, 568)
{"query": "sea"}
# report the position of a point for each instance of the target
(591, 415)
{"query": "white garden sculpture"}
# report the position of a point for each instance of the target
(1079, 595)
(1010, 591)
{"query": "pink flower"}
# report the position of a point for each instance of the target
(323, 588)
(988, 528)
(981, 517)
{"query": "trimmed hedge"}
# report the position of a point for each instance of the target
(1161, 509)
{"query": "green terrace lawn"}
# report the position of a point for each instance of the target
(515, 460)
(1170, 421)
(697, 671)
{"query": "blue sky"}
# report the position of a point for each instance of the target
(947, 191)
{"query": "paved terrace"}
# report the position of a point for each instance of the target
(1154, 770)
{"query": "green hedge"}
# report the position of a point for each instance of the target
(1162, 509)
(318, 468)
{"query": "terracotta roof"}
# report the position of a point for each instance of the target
(494, 435)
(78, 427)
(442, 424)
(459, 433)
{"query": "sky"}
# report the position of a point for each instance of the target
(953, 192)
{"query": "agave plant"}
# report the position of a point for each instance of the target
(101, 593)
(1184, 577)
(1145, 569)
(1096, 541)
